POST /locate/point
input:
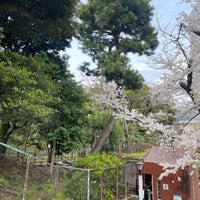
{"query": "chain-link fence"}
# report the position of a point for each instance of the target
(99, 184)
(67, 182)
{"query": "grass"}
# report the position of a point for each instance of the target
(40, 185)
(12, 176)
(137, 155)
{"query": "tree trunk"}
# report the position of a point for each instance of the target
(5, 132)
(104, 136)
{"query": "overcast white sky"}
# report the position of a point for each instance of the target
(166, 11)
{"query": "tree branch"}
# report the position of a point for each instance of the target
(191, 119)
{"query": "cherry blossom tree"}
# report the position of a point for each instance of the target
(179, 58)
(114, 98)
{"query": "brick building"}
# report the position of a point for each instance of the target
(184, 185)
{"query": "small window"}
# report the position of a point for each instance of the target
(177, 197)
(165, 187)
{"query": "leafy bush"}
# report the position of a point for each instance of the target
(101, 167)
(3, 181)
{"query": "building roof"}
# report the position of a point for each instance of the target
(166, 154)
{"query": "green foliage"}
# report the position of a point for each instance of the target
(138, 99)
(35, 26)
(38, 95)
(121, 25)
(76, 188)
(115, 67)
(97, 121)
(3, 181)
(24, 91)
(69, 121)
(99, 163)
(1, 34)
(116, 135)
(23, 84)
(35, 93)
(38, 193)
(27, 90)
(109, 30)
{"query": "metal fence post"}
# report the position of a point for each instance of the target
(88, 185)
(101, 187)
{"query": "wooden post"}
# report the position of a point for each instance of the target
(52, 157)
(125, 180)
(26, 178)
(117, 183)
(56, 183)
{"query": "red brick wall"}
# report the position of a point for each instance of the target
(180, 183)
(194, 184)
